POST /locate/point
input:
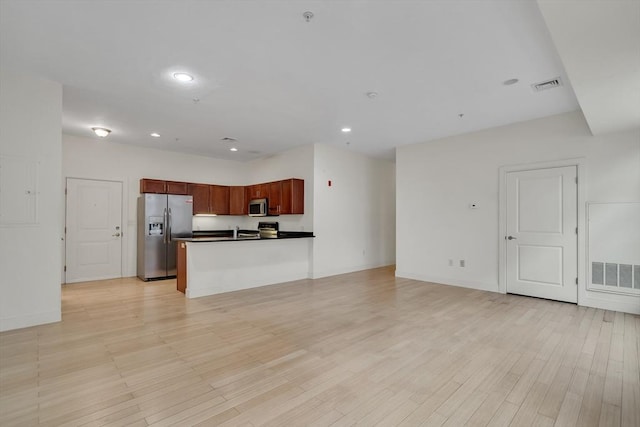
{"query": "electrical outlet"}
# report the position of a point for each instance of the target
(461, 263)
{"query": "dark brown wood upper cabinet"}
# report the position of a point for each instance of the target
(201, 198)
(274, 194)
(219, 200)
(238, 203)
(285, 197)
(292, 201)
(174, 187)
(257, 191)
(163, 187)
(153, 186)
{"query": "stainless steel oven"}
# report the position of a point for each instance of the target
(268, 230)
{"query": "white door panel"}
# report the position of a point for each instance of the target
(94, 230)
(539, 207)
(541, 232)
(531, 257)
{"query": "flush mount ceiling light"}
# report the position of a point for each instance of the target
(183, 77)
(233, 149)
(155, 135)
(101, 132)
(510, 82)
(346, 130)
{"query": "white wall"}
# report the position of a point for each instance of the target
(436, 181)
(30, 128)
(294, 163)
(92, 158)
(354, 218)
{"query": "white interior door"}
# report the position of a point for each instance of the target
(542, 241)
(93, 230)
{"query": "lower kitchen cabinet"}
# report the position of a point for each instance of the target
(181, 267)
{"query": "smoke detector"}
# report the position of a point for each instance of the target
(549, 84)
(307, 16)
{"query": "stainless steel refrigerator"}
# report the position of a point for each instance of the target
(161, 218)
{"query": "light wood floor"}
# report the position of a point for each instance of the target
(357, 349)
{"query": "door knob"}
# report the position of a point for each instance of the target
(116, 235)
(511, 238)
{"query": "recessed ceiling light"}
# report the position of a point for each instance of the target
(183, 77)
(346, 130)
(233, 149)
(155, 135)
(510, 82)
(101, 132)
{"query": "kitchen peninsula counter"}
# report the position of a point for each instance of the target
(206, 267)
(282, 236)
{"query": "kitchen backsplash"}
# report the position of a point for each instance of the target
(288, 222)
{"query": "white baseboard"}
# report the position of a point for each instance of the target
(207, 291)
(622, 304)
(18, 322)
(490, 287)
(631, 305)
(348, 269)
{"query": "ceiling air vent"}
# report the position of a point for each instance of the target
(549, 84)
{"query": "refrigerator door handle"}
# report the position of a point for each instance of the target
(169, 231)
(165, 225)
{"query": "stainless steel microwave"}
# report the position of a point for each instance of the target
(258, 207)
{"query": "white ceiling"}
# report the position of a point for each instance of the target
(599, 42)
(273, 81)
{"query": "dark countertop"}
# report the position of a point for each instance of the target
(227, 236)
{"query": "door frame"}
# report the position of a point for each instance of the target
(123, 226)
(581, 170)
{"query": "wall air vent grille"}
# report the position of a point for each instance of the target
(549, 84)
